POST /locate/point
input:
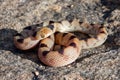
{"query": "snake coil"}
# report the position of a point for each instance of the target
(58, 47)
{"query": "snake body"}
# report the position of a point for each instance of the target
(58, 47)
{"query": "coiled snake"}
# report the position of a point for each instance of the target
(58, 47)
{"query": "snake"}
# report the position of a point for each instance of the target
(57, 46)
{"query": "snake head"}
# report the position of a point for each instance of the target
(43, 33)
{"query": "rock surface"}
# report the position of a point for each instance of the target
(101, 63)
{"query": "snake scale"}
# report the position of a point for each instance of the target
(57, 46)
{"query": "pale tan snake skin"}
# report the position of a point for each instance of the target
(58, 47)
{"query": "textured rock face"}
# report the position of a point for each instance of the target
(102, 63)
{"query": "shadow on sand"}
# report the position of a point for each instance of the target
(7, 44)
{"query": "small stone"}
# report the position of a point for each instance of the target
(56, 8)
(36, 73)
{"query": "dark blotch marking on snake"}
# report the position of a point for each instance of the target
(102, 32)
(18, 34)
(86, 37)
(64, 34)
(92, 24)
(57, 33)
(101, 27)
(61, 51)
(96, 37)
(86, 41)
(51, 27)
(80, 22)
(38, 25)
(20, 40)
(28, 28)
(49, 37)
(73, 44)
(43, 45)
(51, 22)
(72, 37)
(44, 53)
(34, 34)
